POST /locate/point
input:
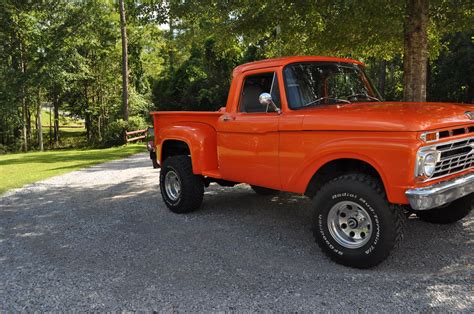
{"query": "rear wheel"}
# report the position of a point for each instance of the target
(354, 224)
(182, 191)
(455, 211)
(154, 162)
(264, 191)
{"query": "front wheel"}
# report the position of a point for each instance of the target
(354, 224)
(182, 191)
(452, 213)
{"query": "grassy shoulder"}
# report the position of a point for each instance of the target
(19, 169)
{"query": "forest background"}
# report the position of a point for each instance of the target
(61, 82)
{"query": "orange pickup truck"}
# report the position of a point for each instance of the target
(316, 126)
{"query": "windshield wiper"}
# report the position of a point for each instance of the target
(363, 95)
(316, 101)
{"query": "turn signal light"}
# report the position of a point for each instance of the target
(430, 137)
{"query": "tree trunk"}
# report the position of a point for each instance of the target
(23, 101)
(36, 121)
(87, 117)
(50, 127)
(28, 124)
(392, 72)
(383, 76)
(88, 126)
(39, 125)
(170, 43)
(123, 28)
(56, 122)
(25, 135)
(99, 129)
(415, 58)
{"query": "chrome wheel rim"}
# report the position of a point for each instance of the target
(172, 185)
(350, 224)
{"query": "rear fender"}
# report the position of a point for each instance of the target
(202, 142)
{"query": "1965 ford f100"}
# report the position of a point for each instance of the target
(316, 126)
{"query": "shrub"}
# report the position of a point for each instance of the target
(115, 134)
(3, 149)
(136, 123)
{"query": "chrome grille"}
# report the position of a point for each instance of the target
(455, 157)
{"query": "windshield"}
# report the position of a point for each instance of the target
(319, 83)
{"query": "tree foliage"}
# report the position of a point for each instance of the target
(371, 31)
(452, 76)
(66, 55)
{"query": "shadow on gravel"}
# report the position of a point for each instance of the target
(426, 247)
(117, 246)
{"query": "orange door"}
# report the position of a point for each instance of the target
(248, 148)
(248, 139)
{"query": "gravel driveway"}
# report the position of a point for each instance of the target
(102, 239)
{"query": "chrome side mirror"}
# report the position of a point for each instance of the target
(266, 100)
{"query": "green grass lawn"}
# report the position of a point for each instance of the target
(68, 137)
(63, 120)
(19, 169)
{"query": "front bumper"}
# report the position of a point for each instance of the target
(439, 194)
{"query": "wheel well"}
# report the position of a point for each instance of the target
(173, 148)
(337, 168)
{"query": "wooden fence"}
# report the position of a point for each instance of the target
(136, 135)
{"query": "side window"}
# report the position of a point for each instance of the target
(254, 85)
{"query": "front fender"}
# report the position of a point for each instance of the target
(392, 157)
(321, 161)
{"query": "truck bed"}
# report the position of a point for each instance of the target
(162, 119)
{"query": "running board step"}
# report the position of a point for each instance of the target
(212, 173)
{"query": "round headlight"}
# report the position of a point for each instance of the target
(429, 164)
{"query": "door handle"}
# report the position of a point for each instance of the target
(227, 118)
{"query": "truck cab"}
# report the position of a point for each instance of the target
(317, 126)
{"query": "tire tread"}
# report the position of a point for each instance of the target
(192, 185)
(396, 212)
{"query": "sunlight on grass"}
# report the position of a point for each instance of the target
(19, 169)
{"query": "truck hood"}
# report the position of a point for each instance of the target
(387, 116)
